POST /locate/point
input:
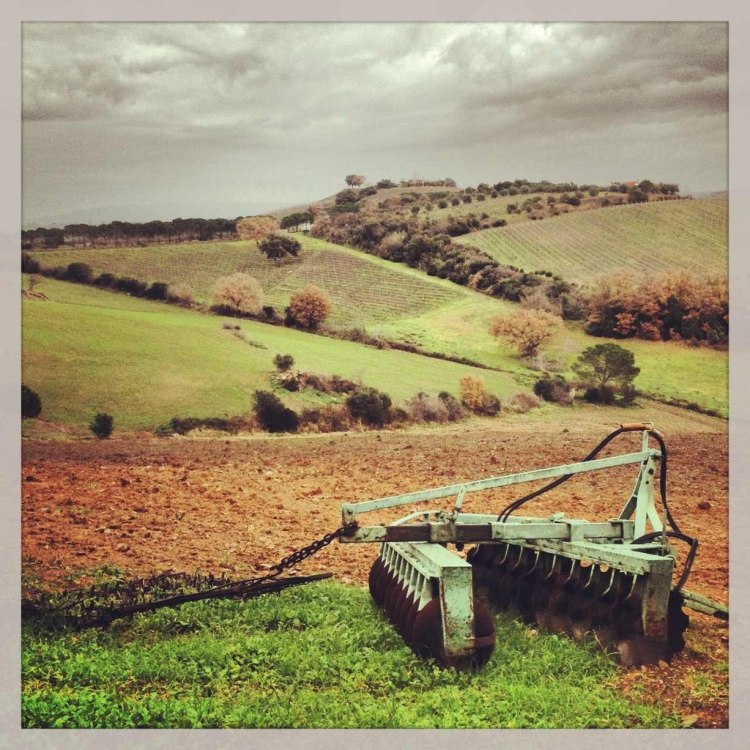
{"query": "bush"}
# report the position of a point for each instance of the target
(369, 405)
(452, 406)
(80, 273)
(423, 408)
(31, 404)
(309, 307)
(283, 362)
(29, 264)
(102, 425)
(474, 396)
(555, 389)
(130, 286)
(271, 413)
(325, 419)
(520, 403)
(180, 294)
(238, 292)
(277, 247)
(157, 291)
(602, 394)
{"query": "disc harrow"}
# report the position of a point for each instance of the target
(610, 579)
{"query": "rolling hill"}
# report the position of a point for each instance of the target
(643, 237)
(87, 350)
(363, 289)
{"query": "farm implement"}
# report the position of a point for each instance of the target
(612, 578)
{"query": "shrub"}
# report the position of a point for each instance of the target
(130, 286)
(105, 280)
(238, 292)
(271, 413)
(102, 425)
(157, 291)
(325, 419)
(80, 273)
(31, 404)
(29, 264)
(309, 307)
(452, 406)
(423, 408)
(283, 362)
(180, 294)
(555, 389)
(369, 405)
(474, 396)
(599, 395)
(256, 227)
(278, 246)
(520, 403)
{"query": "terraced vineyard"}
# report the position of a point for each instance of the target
(363, 289)
(645, 238)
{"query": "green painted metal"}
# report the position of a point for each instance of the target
(413, 550)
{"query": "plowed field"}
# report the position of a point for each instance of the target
(237, 506)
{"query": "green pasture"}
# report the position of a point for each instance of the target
(87, 350)
(318, 656)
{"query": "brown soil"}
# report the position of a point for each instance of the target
(238, 505)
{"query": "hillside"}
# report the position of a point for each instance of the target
(689, 235)
(363, 289)
(145, 362)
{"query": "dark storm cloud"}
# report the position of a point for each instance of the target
(312, 98)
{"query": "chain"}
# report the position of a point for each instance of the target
(302, 554)
(89, 612)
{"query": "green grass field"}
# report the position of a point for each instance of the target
(146, 362)
(363, 289)
(318, 656)
(688, 235)
(87, 350)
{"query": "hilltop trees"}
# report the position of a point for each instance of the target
(277, 247)
(297, 219)
(354, 180)
(309, 307)
(238, 293)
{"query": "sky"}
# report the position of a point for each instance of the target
(150, 121)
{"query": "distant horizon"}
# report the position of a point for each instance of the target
(133, 121)
(138, 216)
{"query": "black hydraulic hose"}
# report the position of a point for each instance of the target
(676, 532)
(516, 504)
(687, 567)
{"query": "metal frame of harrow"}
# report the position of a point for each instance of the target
(414, 557)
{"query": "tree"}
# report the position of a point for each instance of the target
(607, 366)
(309, 307)
(526, 329)
(277, 247)
(370, 405)
(238, 292)
(31, 404)
(102, 425)
(256, 227)
(272, 414)
(283, 362)
(180, 294)
(354, 180)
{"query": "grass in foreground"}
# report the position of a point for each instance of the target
(316, 656)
